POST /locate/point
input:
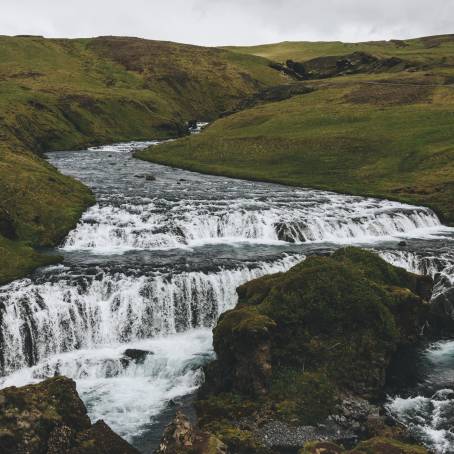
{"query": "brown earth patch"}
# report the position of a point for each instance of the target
(388, 94)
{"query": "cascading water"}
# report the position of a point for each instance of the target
(295, 216)
(428, 410)
(81, 309)
(153, 264)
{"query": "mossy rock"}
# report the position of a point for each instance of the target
(49, 417)
(380, 445)
(343, 315)
(377, 445)
(299, 341)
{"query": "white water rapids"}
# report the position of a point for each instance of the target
(153, 264)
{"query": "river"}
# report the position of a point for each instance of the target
(150, 267)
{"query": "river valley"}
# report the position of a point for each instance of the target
(150, 267)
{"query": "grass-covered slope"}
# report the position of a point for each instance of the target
(57, 94)
(387, 135)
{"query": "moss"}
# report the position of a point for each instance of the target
(19, 259)
(327, 313)
(225, 406)
(51, 417)
(307, 398)
(31, 413)
(246, 322)
(345, 311)
(377, 445)
(240, 441)
(380, 445)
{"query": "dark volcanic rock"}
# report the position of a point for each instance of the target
(289, 233)
(148, 177)
(50, 418)
(101, 439)
(192, 124)
(136, 355)
(335, 65)
(271, 94)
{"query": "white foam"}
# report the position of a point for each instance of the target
(430, 418)
(128, 395)
(154, 225)
(79, 312)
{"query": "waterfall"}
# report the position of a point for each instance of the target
(428, 413)
(72, 311)
(160, 225)
(438, 265)
(129, 395)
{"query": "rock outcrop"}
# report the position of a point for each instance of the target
(309, 350)
(334, 66)
(50, 418)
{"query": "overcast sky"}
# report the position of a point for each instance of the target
(222, 22)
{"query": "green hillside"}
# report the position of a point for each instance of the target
(58, 93)
(373, 125)
(427, 49)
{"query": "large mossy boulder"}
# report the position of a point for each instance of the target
(50, 418)
(301, 344)
(340, 317)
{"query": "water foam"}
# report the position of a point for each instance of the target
(161, 225)
(71, 311)
(438, 265)
(429, 414)
(128, 395)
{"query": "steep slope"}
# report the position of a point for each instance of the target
(365, 128)
(58, 93)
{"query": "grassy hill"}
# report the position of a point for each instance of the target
(427, 49)
(382, 127)
(60, 94)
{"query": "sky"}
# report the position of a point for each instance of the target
(230, 22)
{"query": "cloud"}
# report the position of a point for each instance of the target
(218, 22)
